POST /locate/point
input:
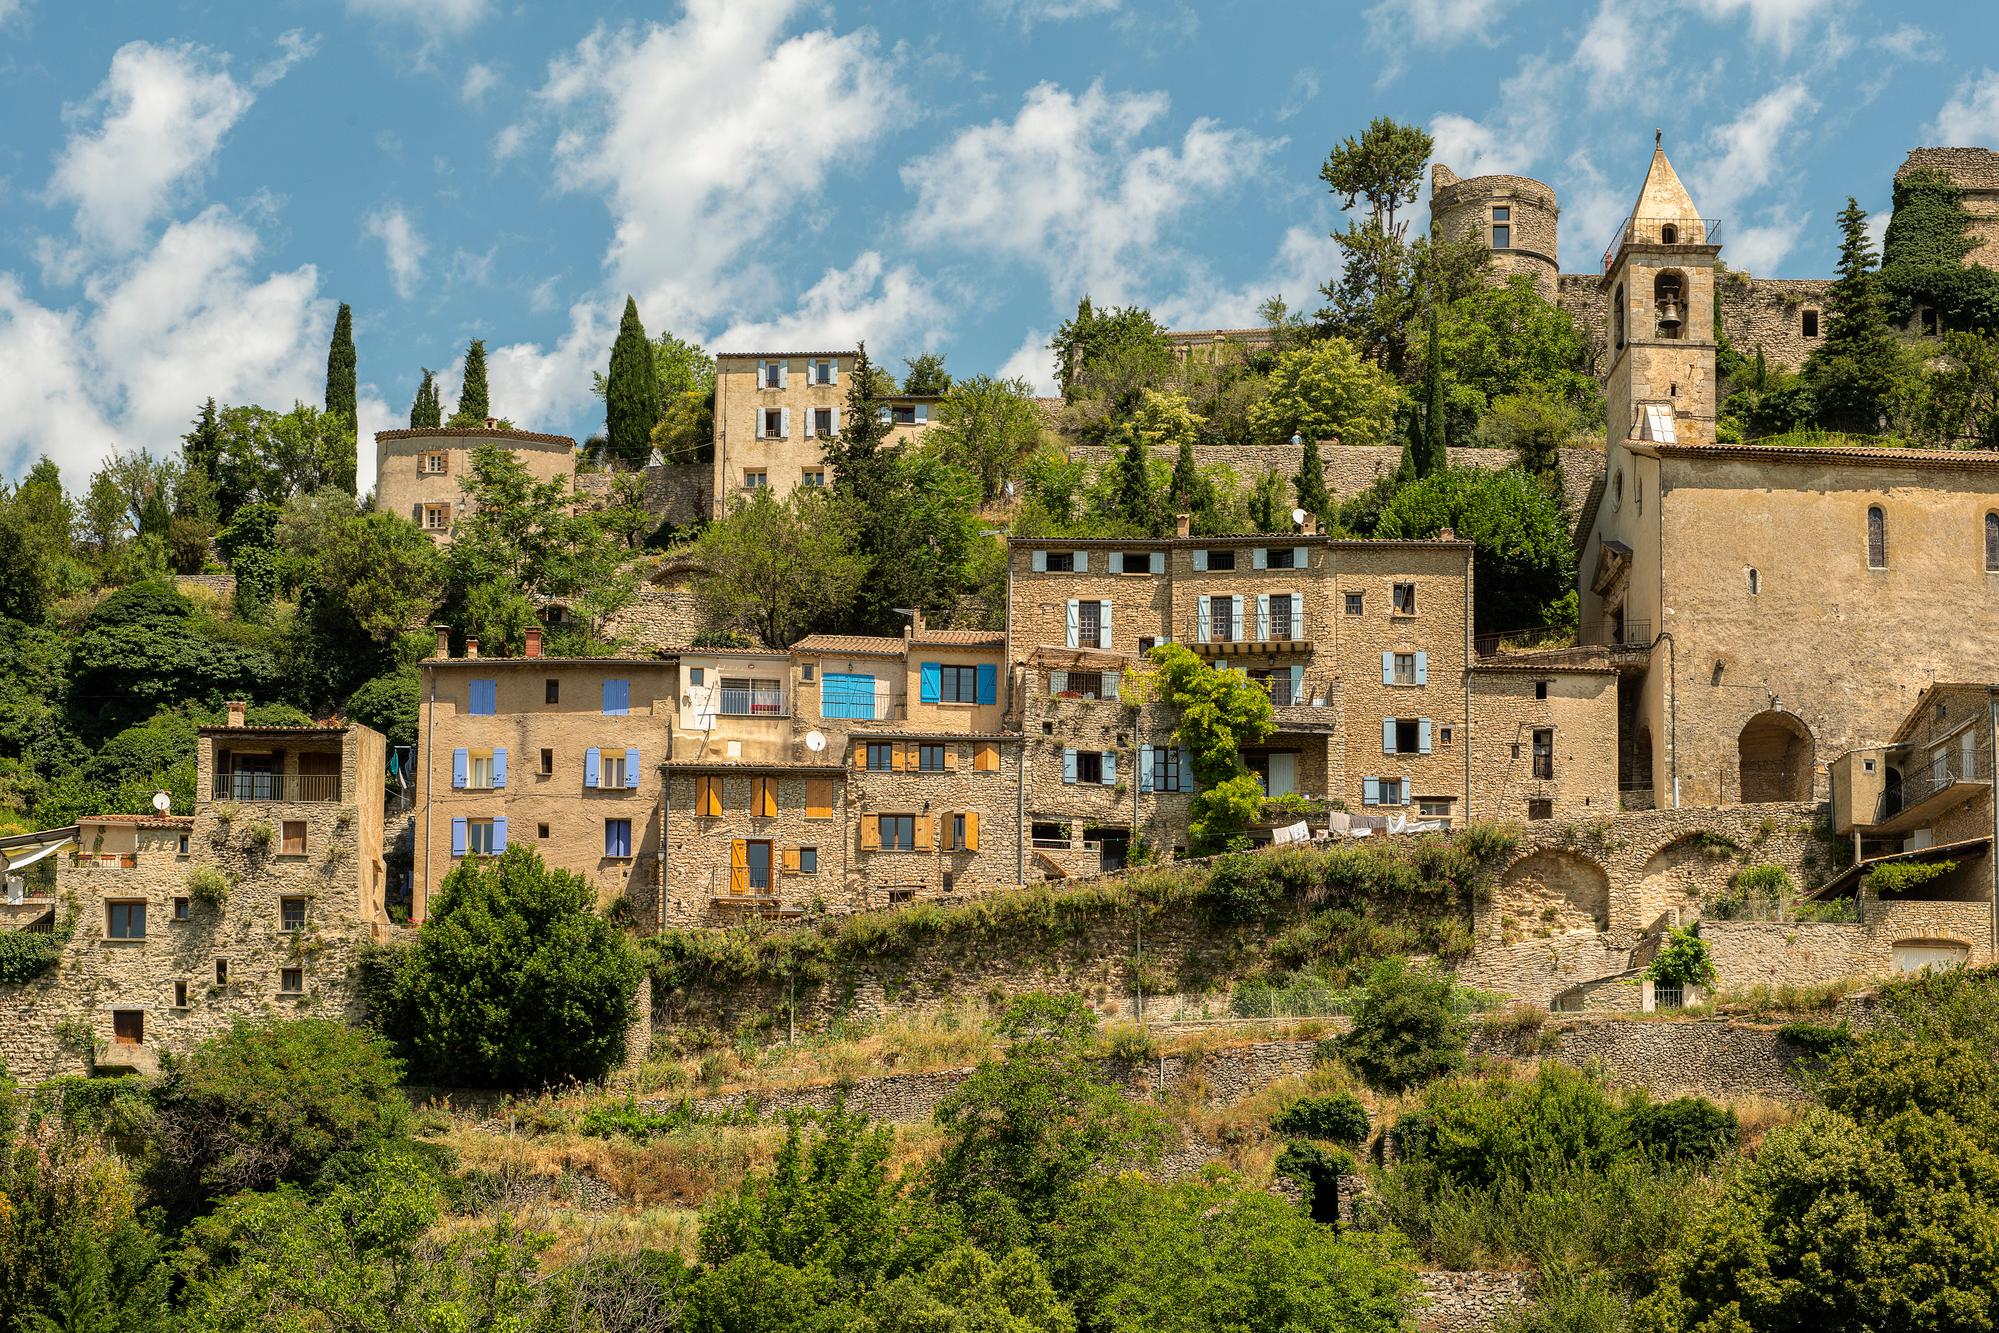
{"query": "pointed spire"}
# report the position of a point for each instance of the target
(1663, 201)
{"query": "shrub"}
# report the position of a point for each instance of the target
(1407, 1028)
(260, 834)
(1480, 1132)
(1316, 1170)
(25, 955)
(1687, 1131)
(1903, 876)
(1818, 1040)
(210, 885)
(1335, 1117)
(1682, 961)
(1241, 889)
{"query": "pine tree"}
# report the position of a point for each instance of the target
(340, 395)
(1856, 369)
(856, 455)
(1432, 457)
(1185, 488)
(203, 440)
(426, 413)
(631, 391)
(473, 407)
(1310, 483)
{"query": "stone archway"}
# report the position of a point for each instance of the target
(1553, 892)
(1675, 879)
(1774, 754)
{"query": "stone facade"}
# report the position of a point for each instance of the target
(665, 614)
(292, 818)
(1515, 216)
(1976, 171)
(771, 410)
(1470, 1302)
(676, 493)
(1543, 741)
(418, 472)
(1802, 953)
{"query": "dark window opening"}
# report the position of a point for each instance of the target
(1407, 733)
(1540, 808)
(1877, 538)
(128, 1027)
(1669, 235)
(1540, 689)
(1355, 603)
(1405, 599)
(1089, 766)
(1810, 323)
(222, 971)
(1090, 624)
(1991, 543)
(1048, 833)
(1061, 562)
(1282, 557)
(1220, 560)
(547, 762)
(881, 757)
(551, 691)
(1544, 754)
(291, 980)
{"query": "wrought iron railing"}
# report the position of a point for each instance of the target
(1942, 770)
(740, 701)
(295, 787)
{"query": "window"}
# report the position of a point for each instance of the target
(773, 374)
(1929, 317)
(986, 757)
(1444, 737)
(1433, 807)
(1221, 619)
(822, 372)
(1405, 599)
(956, 833)
(1282, 557)
(125, 921)
(747, 696)
(222, 971)
(1090, 683)
(479, 837)
(1090, 624)
(1408, 735)
(958, 684)
(1394, 791)
(1405, 668)
(881, 757)
(180, 995)
(814, 476)
(551, 691)
(1810, 324)
(897, 897)
(1502, 212)
(1281, 627)
(902, 414)
(183, 908)
(1540, 808)
(1991, 543)
(617, 839)
(822, 421)
(482, 697)
(808, 860)
(1090, 766)
(708, 795)
(1061, 562)
(1136, 562)
(436, 517)
(1669, 235)
(1877, 538)
(898, 832)
(180, 848)
(479, 770)
(1502, 235)
(547, 762)
(695, 675)
(128, 1027)
(291, 913)
(291, 980)
(808, 673)
(1221, 560)
(755, 479)
(1540, 689)
(930, 758)
(1544, 753)
(1356, 603)
(1166, 768)
(541, 831)
(611, 771)
(763, 796)
(431, 464)
(1049, 833)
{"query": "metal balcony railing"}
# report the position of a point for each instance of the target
(1920, 782)
(1275, 629)
(1616, 634)
(741, 701)
(1654, 231)
(295, 787)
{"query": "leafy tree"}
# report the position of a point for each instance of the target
(1960, 393)
(340, 390)
(1533, 427)
(1499, 338)
(1325, 391)
(1520, 540)
(269, 1103)
(1858, 368)
(105, 515)
(774, 569)
(26, 578)
(1310, 486)
(202, 444)
(426, 412)
(143, 648)
(686, 373)
(514, 981)
(262, 455)
(1683, 1131)
(1027, 1130)
(1134, 503)
(1371, 302)
(473, 404)
(1269, 507)
(1336, 1117)
(987, 427)
(1682, 960)
(1220, 713)
(1407, 1028)
(926, 376)
(631, 396)
(1105, 361)
(923, 542)
(389, 703)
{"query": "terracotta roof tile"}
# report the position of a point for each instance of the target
(874, 645)
(156, 820)
(963, 638)
(464, 432)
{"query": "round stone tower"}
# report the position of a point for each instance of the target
(1515, 215)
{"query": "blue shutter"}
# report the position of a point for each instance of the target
(499, 835)
(1145, 776)
(1262, 616)
(1297, 615)
(1235, 617)
(1388, 735)
(1186, 769)
(617, 698)
(1074, 625)
(846, 695)
(1069, 767)
(1422, 668)
(483, 697)
(1301, 556)
(988, 683)
(1200, 562)
(590, 758)
(1388, 668)
(1039, 562)
(1370, 791)
(1423, 736)
(458, 837)
(1110, 767)
(1259, 557)
(500, 767)
(1104, 638)
(631, 768)
(932, 686)
(1200, 618)
(1082, 562)
(460, 763)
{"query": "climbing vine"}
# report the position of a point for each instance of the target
(1220, 712)
(1923, 253)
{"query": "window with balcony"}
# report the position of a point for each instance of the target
(1281, 624)
(747, 696)
(1089, 684)
(125, 920)
(824, 372)
(849, 695)
(822, 422)
(1277, 680)
(773, 374)
(1221, 619)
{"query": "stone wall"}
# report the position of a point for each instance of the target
(1755, 312)
(212, 588)
(1675, 1057)
(1800, 953)
(665, 614)
(676, 493)
(1469, 1302)
(1578, 705)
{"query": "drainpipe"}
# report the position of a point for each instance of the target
(419, 909)
(1466, 747)
(1992, 853)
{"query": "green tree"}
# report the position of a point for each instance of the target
(631, 396)
(1220, 712)
(987, 427)
(1105, 361)
(340, 389)
(143, 648)
(1924, 249)
(1370, 303)
(1499, 338)
(426, 412)
(389, 703)
(1520, 540)
(514, 981)
(1858, 368)
(1326, 391)
(27, 581)
(1535, 428)
(860, 455)
(1310, 486)
(203, 441)
(1269, 507)
(1407, 1028)
(1434, 456)
(473, 404)
(1134, 503)
(774, 569)
(926, 376)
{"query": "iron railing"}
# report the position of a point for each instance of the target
(1274, 628)
(1942, 770)
(292, 787)
(1651, 230)
(752, 701)
(1666, 995)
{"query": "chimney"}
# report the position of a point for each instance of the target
(533, 646)
(1309, 525)
(1448, 535)
(492, 423)
(443, 640)
(1183, 525)
(471, 647)
(915, 628)
(236, 710)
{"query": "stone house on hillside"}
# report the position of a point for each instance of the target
(418, 473)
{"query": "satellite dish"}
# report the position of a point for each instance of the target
(1297, 516)
(814, 742)
(162, 802)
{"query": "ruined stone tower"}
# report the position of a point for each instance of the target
(1660, 289)
(1514, 215)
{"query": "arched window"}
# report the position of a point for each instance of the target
(1992, 543)
(1669, 302)
(1617, 314)
(1669, 235)
(1877, 538)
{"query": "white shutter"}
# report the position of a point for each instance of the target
(1259, 557)
(1370, 791)
(1040, 562)
(1262, 616)
(1297, 684)
(762, 373)
(1145, 768)
(784, 374)
(1075, 619)
(760, 423)
(1298, 615)
(1388, 668)
(1388, 735)
(1111, 679)
(834, 368)
(1058, 681)
(1117, 562)
(1158, 565)
(784, 423)
(1423, 735)
(836, 418)
(1082, 562)
(1422, 668)
(1201, 619)
(1200, 562)
(1104, 638)
(1109, 777)
(1235, 616)
(922, 413)
(1301, 557)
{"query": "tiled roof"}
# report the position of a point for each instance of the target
(871, 644)
(659, 659)
(774, 356)
(1970, 460)
(156, 821)
(913, 734)
(313, 729)
(1546, 668)
(465, 432)
(757, 765)
(963, 638)
(1238, 539)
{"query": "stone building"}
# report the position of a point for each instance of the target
(1514, 215)
(254, 905)
(419, 473)
(1976, 172)
(1543, 740)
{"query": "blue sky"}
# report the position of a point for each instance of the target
(187, 189)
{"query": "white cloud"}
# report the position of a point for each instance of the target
(759, 121)
(892, 307)
(155, 122)
(1395, 25)
(1067, 187)
(403, 245)
(1618, 43)
(509, 141)
(1027, 13)
(1762, 247)
(433, 18)
(11, 10)
(1304, 87)
(1971, 116)
(1772, 22)
(293, 47)
(1033, 361)
(1306, 258)
(372, 413)
(480, 79)
(1516, 135)
(1752, 148)
(1911, 43)
(535, 388)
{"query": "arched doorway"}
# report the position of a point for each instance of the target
(1775, 754)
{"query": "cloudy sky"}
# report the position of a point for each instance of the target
(188, 189)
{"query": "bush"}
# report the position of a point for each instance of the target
(389, 705)
(210, 885)
(1241, 889)
(1682, 961)
(1335, 1117)
(260, 833)
(25, 955)
(1407, 1029)
(1903, 876)
(1316, 1170)
(515, 981)
(1687, 1131)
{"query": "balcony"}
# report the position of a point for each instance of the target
(1222, 635)
(290, 788)
(751, 701)
(1928, 790)
(105, 860)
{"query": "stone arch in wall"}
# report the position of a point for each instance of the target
(1774, 759)
(1553, 892)
(1676, 878)
(1929, 954)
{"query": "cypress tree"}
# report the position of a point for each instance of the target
(473, 407)
(1185, 487)
(631, 391)
(426, 412)
(1313, 497)
(340, 399)
(1132, 493)
(204, 438)
(1855, 370)
(856, 455)
(1432, 457)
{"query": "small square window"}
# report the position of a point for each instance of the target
(1061, 562)
(1089, 766)
(1540, 808)
(696, 675)
(808, 860)
(1405, 599)
(808, 673)
(1540, 689)
(222, 971)
(294, 834)
(291, 913)
(128, 1027)
(897, 897)
(755, 479)
(930, 758)
(1444, 737)
(183, 908)
(814, 476)
(541, 831)
(1867, 765)
(181, 849)
(291, 980)
(1501, 212)
(551, 691)
(1356, 603)
(125, 920)
(180, 995)
(1282, 557)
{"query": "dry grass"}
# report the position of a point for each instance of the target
(947, 1038)
(1785, 1001)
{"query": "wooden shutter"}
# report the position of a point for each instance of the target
(739, 866)
(763, 796)
(898, 758)
(986, 757)
(971, 830)
(925, 832)
(860, 754)
(871, 833)
(791, 860)
(818, 798)
(950, 759)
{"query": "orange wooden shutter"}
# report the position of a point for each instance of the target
(871, 833)
(708, 795)
(924, 838)
(818, 798)
(860, 754)
(951, 758)
(739, 867)
(898, 759)
(971, 830)
(791, 860)
(985, 758)
(763, 799)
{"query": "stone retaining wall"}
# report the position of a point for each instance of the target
(676, 493)
(1469, 1302)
